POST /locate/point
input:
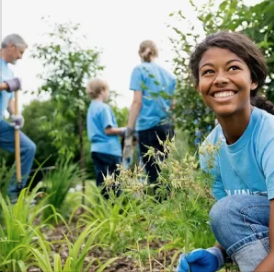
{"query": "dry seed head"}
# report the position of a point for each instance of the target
(109, 180)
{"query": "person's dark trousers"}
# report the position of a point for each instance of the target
(148, 138)
(105, 164)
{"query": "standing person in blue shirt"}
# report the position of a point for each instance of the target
(12, 49)
(229, 70)
(103, 133)
(153, 88)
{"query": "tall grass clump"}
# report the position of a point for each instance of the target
(5, 178)
(58, 183)
(20, 225)
(134, 223)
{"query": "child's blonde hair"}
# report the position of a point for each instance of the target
(147, 50)
(95, 87)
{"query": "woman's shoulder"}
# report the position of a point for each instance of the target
(140, 66)
(215, 136)
(265, 125)
(264, 120)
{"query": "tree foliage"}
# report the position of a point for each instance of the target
(37, 114)
(67, 67)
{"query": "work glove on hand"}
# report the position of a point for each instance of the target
(14, 84)
(128, 144)
(201, 260)
(123, 131)
(17, 121)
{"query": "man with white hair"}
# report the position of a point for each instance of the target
(12, 49)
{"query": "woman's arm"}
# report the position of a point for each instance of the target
(135, 109)
(267, 265)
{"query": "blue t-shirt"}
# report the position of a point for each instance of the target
(5, 97)
(157, 86)
(99, 117)
(247, 166)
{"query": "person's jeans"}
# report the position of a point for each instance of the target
(105, 164)
(27, 151)
(240, 224)
(148, 138)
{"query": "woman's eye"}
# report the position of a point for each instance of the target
(233, 68)
(208, 72)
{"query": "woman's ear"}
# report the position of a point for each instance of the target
(254, 85)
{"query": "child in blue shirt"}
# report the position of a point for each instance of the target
(103, 133)
(229, 70)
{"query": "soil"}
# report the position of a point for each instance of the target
(123, 264)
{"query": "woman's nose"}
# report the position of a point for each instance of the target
(221, 79)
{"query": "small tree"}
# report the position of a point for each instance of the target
(37, 114)
(67, 67)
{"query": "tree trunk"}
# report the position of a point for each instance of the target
(82, 152)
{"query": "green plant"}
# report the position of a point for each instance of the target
(19, 229)
(59, 182)
(6, 174)
(77, 252)
(132, 223)
(111, 215)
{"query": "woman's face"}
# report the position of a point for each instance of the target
(224, 81)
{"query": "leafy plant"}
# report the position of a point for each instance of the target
(59, 182)
(174, 218)
(6, 174)
(18, 230)
(77, 252)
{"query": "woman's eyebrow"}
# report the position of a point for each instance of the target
(233, 61)
(208, 64)
(228, 62)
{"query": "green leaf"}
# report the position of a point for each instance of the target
(106, 264)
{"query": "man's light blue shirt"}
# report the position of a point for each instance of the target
(157, 86)
(99, 117)
(247, 166)
(5, 97)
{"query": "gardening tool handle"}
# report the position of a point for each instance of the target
(17, 144)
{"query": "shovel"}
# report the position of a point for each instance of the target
(17, 147)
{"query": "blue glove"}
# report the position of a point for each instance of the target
(201, 260)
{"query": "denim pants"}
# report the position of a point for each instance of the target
(148, 138)
(240, 224)
(27, 153)
(105, 164)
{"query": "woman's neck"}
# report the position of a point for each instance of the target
(235, 125)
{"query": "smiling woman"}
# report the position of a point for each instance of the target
(229, 70)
